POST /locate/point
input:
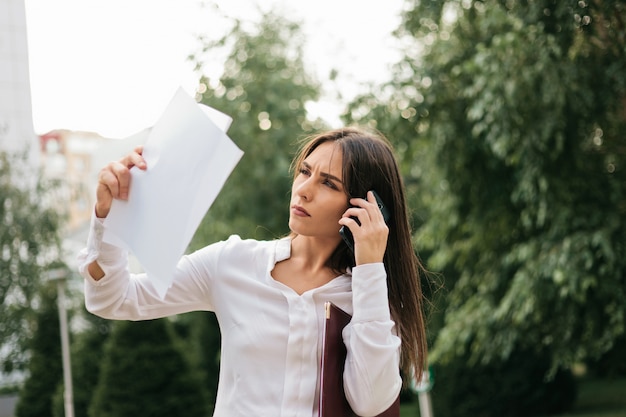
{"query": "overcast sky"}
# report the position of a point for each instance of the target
(111, 66)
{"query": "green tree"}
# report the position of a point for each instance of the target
(514, 387)
(513, 117)
(145, 372)
(45, 369)
(265, 88)
(29, 242)
(203, 341)
(87, 350)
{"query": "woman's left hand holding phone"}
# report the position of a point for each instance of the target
(370, 232)
(114, 180)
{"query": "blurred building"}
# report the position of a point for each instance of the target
(16, 120)
(73, 159)
(66, 158)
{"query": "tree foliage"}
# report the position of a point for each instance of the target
(145, 372)
(29, 243)
(512, 118)
(204, 350)
(265, 88)
(45, 369)
(514, 387)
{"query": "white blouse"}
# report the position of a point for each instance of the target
(271, 336)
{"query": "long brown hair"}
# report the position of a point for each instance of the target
(369, 164)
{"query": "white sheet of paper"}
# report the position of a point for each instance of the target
(189, 158)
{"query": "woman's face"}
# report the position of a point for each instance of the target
(318, 199)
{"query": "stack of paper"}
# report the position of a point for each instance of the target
(189, 158)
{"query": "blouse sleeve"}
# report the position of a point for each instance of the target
(120, 295)
(372, 379)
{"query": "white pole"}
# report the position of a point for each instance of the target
(68, 396)
(426, 407)
(423, 394)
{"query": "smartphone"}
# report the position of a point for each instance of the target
(345, 232)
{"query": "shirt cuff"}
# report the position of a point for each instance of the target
(97, 249)
(369, 293)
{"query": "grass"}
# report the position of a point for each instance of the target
(596, 398)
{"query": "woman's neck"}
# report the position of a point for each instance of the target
(312, 253)
(307, 267)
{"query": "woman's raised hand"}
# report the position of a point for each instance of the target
(370, 236)
(114, 180)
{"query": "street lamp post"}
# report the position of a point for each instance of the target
(59, 275)
(423, 388)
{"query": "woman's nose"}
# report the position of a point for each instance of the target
(305, 189)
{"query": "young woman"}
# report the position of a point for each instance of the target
(269, 296)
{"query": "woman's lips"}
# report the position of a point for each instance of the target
(299, 211)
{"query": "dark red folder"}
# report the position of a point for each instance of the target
(333, 402)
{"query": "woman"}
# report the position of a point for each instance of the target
(268, 296)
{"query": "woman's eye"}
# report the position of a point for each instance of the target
(304, 171)
(330, 184)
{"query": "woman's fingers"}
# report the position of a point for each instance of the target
(365, 210)
(114, 180)
(118, 180)
(370, 231)
(117, 174)
(104, 196)
(134, 158)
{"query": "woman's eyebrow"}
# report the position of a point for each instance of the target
(323, 174)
